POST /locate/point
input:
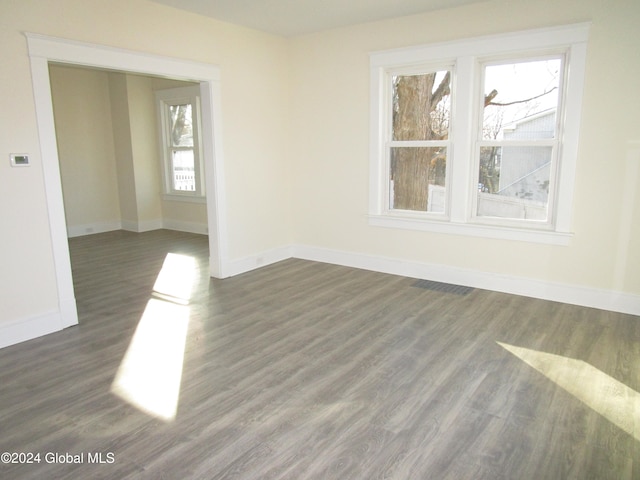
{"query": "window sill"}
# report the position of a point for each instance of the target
(473, 230)
(170, 197)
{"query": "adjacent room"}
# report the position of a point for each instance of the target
(378, 239)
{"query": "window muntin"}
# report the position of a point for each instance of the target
(419, 119)
(516, 154)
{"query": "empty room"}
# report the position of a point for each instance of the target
(320, 240)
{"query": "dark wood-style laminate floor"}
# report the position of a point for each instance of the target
(304, 370)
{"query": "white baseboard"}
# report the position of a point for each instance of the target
(91, 228)
(138, 227)
(572, 294)
(129, 225)
(142, 226)
(182, 226)
(252, 262)
(30, 328)
(149, 225)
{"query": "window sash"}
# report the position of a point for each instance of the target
(176, 178)
(528, 222)
(390, 143)
(391, 208)
(548, 223)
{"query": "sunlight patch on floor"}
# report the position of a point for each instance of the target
(177, 278)
(150, 373)
(610, 398)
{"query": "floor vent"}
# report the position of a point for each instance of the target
(443, 287)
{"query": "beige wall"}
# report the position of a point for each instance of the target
(82, 111)
(123, 145)
(104, 190)
(295, 138)
(144, 147)
(330, 91)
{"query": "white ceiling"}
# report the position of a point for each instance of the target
(298, 17)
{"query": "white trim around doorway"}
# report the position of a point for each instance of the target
(44, 50)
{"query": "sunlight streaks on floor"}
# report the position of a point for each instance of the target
(150, 373)
(177, 278)
(151, 370)
(610, 398)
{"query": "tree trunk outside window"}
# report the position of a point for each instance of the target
(417, 116)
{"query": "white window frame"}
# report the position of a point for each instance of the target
(164, 99)
(467, 56)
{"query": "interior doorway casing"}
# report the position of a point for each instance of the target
(42, 51)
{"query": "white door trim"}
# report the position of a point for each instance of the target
(45, 49)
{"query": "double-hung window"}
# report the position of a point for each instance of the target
(179, 119)
(478, 136)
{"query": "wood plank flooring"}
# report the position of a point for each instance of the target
(304, 370)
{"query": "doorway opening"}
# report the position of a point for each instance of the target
(43, 51)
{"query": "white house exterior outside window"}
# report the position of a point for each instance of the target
(478, 136)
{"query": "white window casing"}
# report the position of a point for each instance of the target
(465, 59)
(164, 100)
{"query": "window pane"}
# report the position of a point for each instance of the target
(520, 100)
(514, 182)
(421, 106)
(417, 179)
(183, 173)
(180, 125)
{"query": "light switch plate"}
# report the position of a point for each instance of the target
(19, 159)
